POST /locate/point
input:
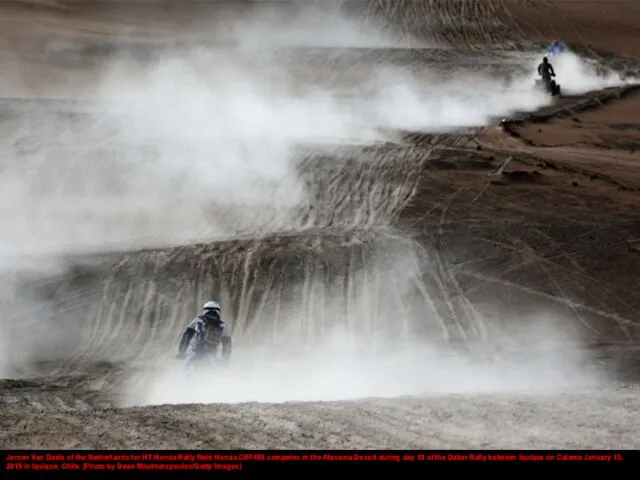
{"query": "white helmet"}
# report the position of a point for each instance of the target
(211, 305)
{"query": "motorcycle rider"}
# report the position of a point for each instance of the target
(545, 70)
(555, 48)
(205, 334)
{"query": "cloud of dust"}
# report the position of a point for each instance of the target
(374, 349)
(203, 147)
(577, 75)
(33, 333)
(319, 24)
(345, 367)
(200, 144)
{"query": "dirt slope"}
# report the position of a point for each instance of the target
(441, 422)
(539, 212)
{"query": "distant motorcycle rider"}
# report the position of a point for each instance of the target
(205, 334)
(555, 48)
(545, 70)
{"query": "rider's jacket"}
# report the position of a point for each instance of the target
(203, 335)
(545, 69)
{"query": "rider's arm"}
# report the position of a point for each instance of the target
(184, 341)
(187, 336)
(551, 70)
(226, 342)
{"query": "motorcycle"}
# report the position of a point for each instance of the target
(202, 363)
(547, 85)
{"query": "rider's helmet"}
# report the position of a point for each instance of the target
(545, 60)
(211, 305)
(211, 312)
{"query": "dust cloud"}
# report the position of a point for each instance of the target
(309, 24)
(371, 346)
(200, 146)
(344, 365)
(578, 75)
